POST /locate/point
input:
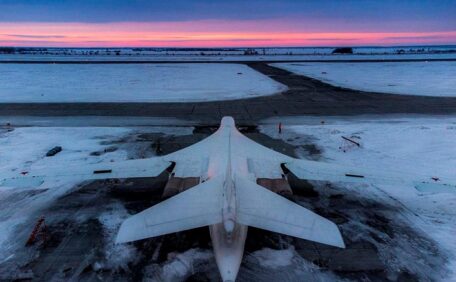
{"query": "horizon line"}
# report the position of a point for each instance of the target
(232, 47)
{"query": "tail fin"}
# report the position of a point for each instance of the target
(261, 208)
(199, 206)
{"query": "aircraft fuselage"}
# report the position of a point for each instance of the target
(228, 238)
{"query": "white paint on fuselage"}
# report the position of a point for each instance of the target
(228, 238)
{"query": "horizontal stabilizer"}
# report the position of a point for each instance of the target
(198, 206)
(261, 208)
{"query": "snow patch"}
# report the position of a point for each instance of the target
(179, 266)
(282, 265)
(274, 258)
(116, 255)
(44, 83)
(411, 78)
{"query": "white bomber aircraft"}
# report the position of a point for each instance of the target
(227, 199)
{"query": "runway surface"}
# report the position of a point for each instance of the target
(305, 96)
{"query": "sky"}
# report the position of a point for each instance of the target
(230, 23)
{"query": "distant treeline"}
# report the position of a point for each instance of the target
(153, 49)
(14, 50)
(271, 51)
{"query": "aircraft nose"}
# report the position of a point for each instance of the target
(227, 121)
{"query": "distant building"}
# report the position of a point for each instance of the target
(343, 50)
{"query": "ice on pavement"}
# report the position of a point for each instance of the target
(412, 78)
(419, 144)
(41, 83)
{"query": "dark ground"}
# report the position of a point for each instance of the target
(305, 96)
(79, 247)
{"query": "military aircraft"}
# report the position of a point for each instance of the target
(227, 198)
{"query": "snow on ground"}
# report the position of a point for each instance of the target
(406, 144)
(23, 149)
(420, 143)
(116, 255)
(179, 266)
(281, 265)
(131, 83)
(274, 258)
(413, 78)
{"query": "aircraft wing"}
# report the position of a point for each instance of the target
(193, 161)
(262, 162)
(312, 170)
(193, 208)
(261, 208)
(124, 169)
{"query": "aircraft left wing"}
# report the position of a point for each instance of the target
(124, 169)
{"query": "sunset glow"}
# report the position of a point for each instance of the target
(192, 35)
(203, 23)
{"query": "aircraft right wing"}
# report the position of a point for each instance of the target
(193, 208)
(261, 208)
(320, 171)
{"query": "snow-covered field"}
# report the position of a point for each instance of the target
(421, 145)
(131, 83)
(413, 78)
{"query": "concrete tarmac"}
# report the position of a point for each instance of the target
(305, 96)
